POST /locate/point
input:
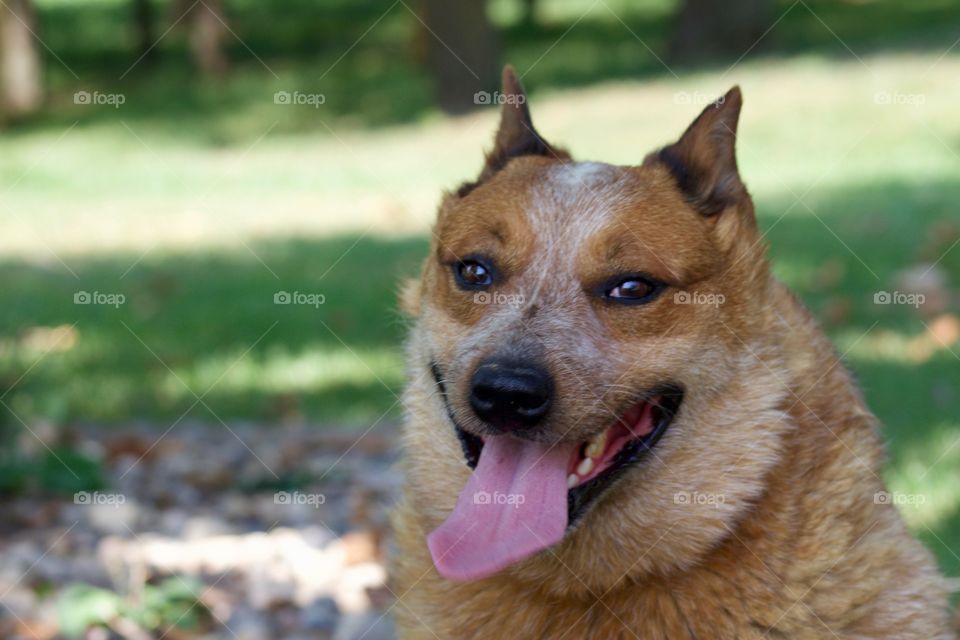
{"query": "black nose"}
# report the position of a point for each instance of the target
(509, 396)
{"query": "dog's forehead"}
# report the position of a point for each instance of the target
(574, 200)
(575, 188)
(576, 176)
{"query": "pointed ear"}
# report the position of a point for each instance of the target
(703, 161)
(516, 135)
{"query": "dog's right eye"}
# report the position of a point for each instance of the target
(473, 274)
(632, 290)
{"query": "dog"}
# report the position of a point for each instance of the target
(621, 425)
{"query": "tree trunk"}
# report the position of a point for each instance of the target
(706, 28)
(208, 33)
(462, 52)
(529, 12)
(21, 82)
(143, 25)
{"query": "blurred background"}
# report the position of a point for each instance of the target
(206, 208)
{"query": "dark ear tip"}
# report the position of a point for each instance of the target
(734, 97)
(509, 81)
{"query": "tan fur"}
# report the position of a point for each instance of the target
(797, 548)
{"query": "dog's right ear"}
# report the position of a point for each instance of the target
(516, 135)
(703, 162)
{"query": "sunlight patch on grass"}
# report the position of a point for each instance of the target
(160, 188)
(314, 368)
(885, 345)
(926, 484)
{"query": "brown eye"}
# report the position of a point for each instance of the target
(473, 274)
(634, 290)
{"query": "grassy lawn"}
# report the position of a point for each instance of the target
(199, 202)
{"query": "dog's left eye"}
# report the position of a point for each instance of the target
(633, 290)
(473, 274)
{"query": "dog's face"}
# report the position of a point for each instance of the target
(575, 276)
(588, 322)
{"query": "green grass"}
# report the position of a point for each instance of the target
(199, 201)
(207, 325)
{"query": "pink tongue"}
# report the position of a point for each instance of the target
(513, 505)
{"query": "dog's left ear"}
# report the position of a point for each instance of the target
(703, 161)
(516, 135)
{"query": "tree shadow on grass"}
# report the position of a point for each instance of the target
(322, 311)
(197, 312)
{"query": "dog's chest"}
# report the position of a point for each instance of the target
(641, 613)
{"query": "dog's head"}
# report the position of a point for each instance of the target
(592, 337)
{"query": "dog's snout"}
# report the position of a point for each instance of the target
(509, 396)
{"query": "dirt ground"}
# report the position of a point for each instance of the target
(273, 532)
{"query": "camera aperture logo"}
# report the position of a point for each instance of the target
(495, 297)
(299, 298)
(897, 297)
(696, 97)
(114, 100)
(896, 98)
(894, 497)
(296, 497)
(99, 298)
(698, 297)
(299, 98)
(498, 498)
(696, 498)
(90, 498)
(485, 97)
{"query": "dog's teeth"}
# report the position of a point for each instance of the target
(572, 480)
(585, 466)
(597, 445)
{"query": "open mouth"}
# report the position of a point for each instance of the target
(524, 494)
(595, 464)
